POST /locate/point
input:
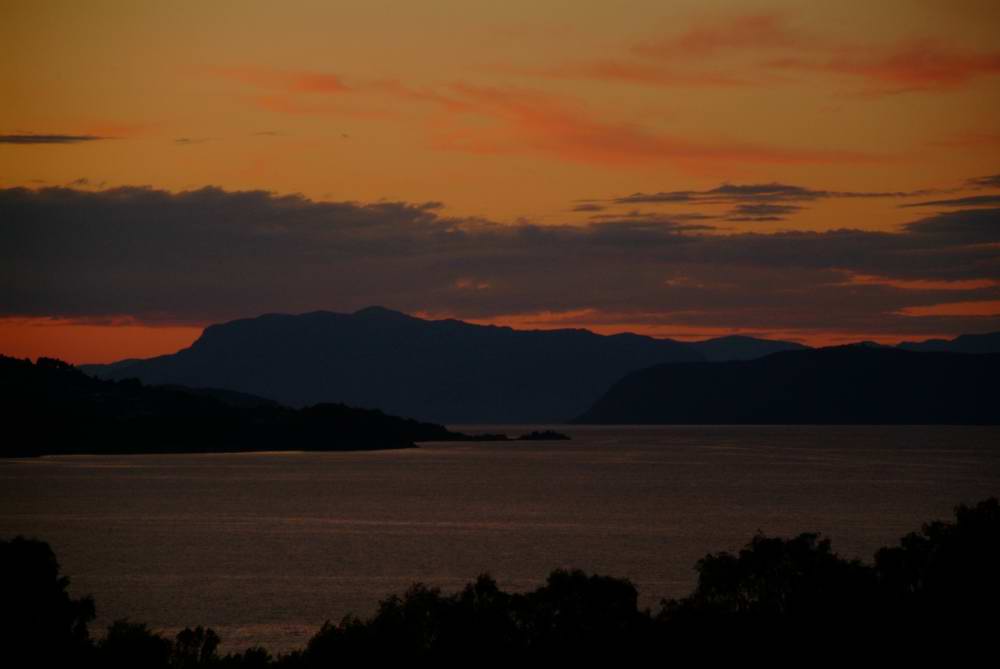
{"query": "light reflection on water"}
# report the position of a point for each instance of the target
(264, 547)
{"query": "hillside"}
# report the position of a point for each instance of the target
(445, 371)
(969, 343)
(50, 407)
(843, 385)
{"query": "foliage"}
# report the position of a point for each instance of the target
(938, 585)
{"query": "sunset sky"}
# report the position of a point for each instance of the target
(817, 171)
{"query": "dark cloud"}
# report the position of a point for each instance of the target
(677, 221)
(47, 139)
(209, 255)
(761, 211)
(992, 181)
(975, 226)
(589, 206)
(772, 192)
(757, 202)
(192, 140)
(973, 201)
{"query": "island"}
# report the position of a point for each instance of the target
(543, 435)
(52, 408)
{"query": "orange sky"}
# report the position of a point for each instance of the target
(511, 112)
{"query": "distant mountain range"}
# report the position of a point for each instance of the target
(842, 385)
(445, 371)
(975, 343)
(736, 347)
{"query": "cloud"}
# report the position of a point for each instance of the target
(641, 226)
(914, 65)
(972, 201)
(526, 121)
(770, 192)
(762, 212)
(757, 202)
(185, 141)
(292, 81)
(768, 44)
(31, 138)
(630, 72)
(517, 121)
(208, 255)
(992, 181)
(709, 38)
(973, 226)
(982, 308)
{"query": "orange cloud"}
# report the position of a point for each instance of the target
(750, 31)
(490, 120)
(921, 284)
(299, 92)
(705, 40)
(911, 66)
(637, 73)
(526, 120)
(978, 308)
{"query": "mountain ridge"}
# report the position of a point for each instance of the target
(836, 385)
(446, 371)
(54, 408)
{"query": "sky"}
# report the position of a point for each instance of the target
(815, 171)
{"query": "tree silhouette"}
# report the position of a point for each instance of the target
(938, 589)
(948, 574)
(127, 645)
(195, 647)
(38, 618)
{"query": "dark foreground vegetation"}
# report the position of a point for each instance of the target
(50, 407)
(937, 590)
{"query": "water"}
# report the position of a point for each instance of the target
(264, 547)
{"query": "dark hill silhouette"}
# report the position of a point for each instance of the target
(973, 343)
(842, 385)
(738, 347)
(51, 407)
(444, 371)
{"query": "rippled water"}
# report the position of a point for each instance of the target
(264, 547)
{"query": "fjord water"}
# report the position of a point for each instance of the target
(264, 547)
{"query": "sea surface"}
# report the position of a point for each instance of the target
(264, 547)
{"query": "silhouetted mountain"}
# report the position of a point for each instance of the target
(445, 371)
(843, 385)
(867, 343)
(975, 343)
(543, 435)
(230, 397)
(738, 347)
(51, 407)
